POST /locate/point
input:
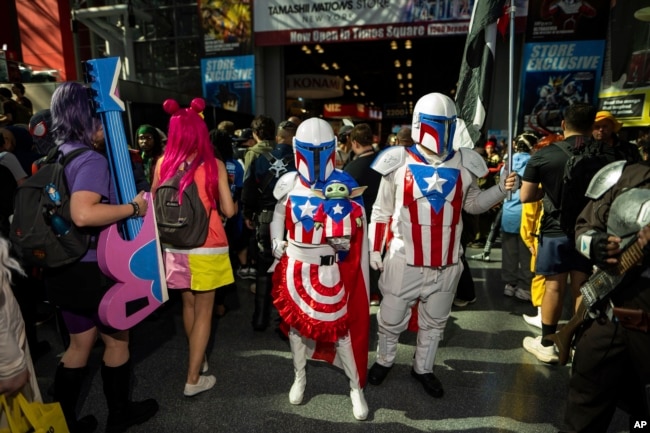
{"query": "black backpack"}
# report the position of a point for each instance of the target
(579, 169)
(181, 224)
(42, 232)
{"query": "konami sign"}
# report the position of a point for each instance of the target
(313, 86)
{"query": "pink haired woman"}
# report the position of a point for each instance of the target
(198, 272)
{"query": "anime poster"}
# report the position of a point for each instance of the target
(227, 27)
(229, 82)
(567, 20)
(627, 92)
(554, 76)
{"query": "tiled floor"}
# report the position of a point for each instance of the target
(491, 383)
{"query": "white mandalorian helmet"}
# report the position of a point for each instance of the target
(434, 123)
(315, 149)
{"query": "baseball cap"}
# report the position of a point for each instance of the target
(244, 135)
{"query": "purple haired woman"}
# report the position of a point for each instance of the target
(78, 288)
(198, 272)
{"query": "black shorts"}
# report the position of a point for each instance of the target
(78, 286)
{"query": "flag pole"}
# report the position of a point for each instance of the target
(511, 87)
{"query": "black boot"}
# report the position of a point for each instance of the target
(67, 387)
(262, 312)
(122, 412)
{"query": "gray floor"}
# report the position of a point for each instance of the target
(491, 383)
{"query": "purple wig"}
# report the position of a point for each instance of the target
(188, 139)
(73, 120)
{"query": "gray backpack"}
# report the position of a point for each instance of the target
(181, 223)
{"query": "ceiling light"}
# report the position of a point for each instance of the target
(399, 76)
(401, 85)
(408, 63)
(355, 87)
(410, 85)
(347, 87)
(407, 44)
(347, 78)
(305, 48)
(307, 51)
(324, 66)
(335, 65)
(409, 76)
(397, 64)
(393, 45)
(363, 94)
(355, 94)
(410, 92)
(317, 47)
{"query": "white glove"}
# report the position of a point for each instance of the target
(279, 246)
(504, 179)
(375, 261)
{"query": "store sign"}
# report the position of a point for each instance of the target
(286, 22)
(314, 86)
(352, 111)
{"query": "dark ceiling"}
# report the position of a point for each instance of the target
(435, 64)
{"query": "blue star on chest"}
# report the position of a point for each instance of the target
(434, 184)
(337, 209)
(303, 209)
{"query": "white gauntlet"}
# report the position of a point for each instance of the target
(376, 261)
(279, 246)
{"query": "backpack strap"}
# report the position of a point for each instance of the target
(564, 149)
(68, 157)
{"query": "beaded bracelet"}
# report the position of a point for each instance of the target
(136, 209)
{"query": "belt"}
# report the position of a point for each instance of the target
(636, 320)
(317, 256)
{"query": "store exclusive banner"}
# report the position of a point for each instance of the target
(229, 82)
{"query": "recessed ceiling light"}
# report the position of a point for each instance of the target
(397, 64)
(347, 78)
(409, 76)
(324, 66)
(347, 87)
(407, 44)
(355, 87)
(410, 92)
(408, 63)
(393, 45)
(410, 85)
(399, 76)
(335, 65)
(362, 94)
(401, 85)
(305, 48)
(355, 94)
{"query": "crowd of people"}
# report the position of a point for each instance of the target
(326, 223)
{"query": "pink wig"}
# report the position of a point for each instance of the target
(188, 137)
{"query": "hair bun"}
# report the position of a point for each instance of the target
(171, 106)
(197, 105)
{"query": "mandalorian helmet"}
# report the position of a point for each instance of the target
(315, 150)
(434, 123)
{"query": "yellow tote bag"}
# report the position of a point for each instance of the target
(35, 417)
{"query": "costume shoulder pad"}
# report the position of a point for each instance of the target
(285, 184)
(473, 162)
(604, 179)
(389, 160)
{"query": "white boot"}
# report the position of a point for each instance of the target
(346, 355)
(299, 355)
(359, 405)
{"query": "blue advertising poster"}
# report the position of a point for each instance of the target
(229, 82)
(554, 76)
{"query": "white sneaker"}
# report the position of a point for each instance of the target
(509, 290)
(521, 294)
(359, 405)
(205, 383)
(535, 321)
(542, 353)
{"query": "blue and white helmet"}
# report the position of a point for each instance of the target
(434, 123)
(315, 149)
